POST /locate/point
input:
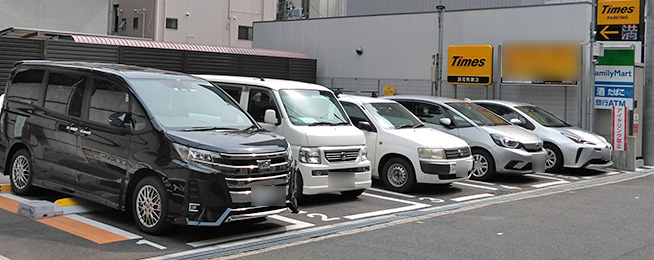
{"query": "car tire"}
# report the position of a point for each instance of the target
(150, 206)
(299, 196)
(483, 168)
(20, 173)
(554, 161)
(352, 194)
(398, 175)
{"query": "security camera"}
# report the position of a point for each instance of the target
(359, 51)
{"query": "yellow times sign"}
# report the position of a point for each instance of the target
(618, 12)
(470, 64)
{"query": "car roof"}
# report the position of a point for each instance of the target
(275, 84)
(503, 102)
(124, 70)
(363, 99)
(426, 98)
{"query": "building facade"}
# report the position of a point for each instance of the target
(211, 22)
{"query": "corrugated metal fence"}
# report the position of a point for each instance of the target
(192, 62)
(559, 100)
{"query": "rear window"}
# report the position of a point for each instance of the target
(27, 86)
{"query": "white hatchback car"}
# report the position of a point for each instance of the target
(566, 145)
(402, 150)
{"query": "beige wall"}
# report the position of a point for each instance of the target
(212, 22)
(88, 16)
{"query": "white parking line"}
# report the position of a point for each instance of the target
(152, 244)
(414, 205)
(297, 224)
(556, 182)
(392, 193)
(481, 182)
(475, 186)
(472, 197)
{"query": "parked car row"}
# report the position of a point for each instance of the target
(173, 148)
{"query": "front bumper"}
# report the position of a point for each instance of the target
(320, 178)
(444, 171)
(198, 197)
(519, 161)
(583, 156)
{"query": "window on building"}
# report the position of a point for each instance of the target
(135, 23)
(245, 32)
(171, 23)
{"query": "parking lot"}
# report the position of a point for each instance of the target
(87, 229)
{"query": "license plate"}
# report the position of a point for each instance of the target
(461, 169)
(340, 180)
(538, 162)
(268, 196)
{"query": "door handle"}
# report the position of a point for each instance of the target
(85, 132)
(72, 128)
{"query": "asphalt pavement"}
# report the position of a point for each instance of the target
(602, 221)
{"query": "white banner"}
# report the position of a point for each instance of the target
(619, 128)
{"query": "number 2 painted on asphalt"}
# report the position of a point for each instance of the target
(432, 200)
(323, 217)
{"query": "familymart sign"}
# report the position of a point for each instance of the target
(614, 80)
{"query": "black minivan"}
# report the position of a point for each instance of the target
(166, 146)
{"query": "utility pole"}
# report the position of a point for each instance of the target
(439, 55)
(593, 62)
(648, 88)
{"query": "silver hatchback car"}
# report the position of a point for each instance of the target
(497, 145)
(566, 145)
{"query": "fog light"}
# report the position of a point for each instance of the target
(320, 173)
(193, 207)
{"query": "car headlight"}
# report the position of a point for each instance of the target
(309, 155)
(576, 139)
(364, 154)
(505, 141)
(431, 153)
(197, 157)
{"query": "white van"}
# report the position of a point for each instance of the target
(331, 152)
(402, 150)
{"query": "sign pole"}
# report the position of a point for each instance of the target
(648, 88)
(593, 61)
(439, 73)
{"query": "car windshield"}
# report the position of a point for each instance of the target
(542, 116)
(478, 114)
(393, 115)
(313, 107)
(191, 105)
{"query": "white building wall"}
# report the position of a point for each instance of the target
(85, 16)
(212, 22)
(399, 48)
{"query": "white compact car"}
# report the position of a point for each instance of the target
(402, 150)
(566, 145)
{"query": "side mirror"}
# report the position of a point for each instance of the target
(515, 121)
(445, 121)
(118, 119)
(270, 117)
(366, 126)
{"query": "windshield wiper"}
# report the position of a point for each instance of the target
(207, 128)
(319, 123)
(252, 127)
(341, 123)
(404, 126)
(419, 125)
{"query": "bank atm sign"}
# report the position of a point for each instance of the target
(470, 64)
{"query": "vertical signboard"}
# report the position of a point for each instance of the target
(619, 20)
(614, 79)
(619, 128)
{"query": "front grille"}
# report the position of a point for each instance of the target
(533, 147)
(252, 165)
(456, 153)
(342, 155)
